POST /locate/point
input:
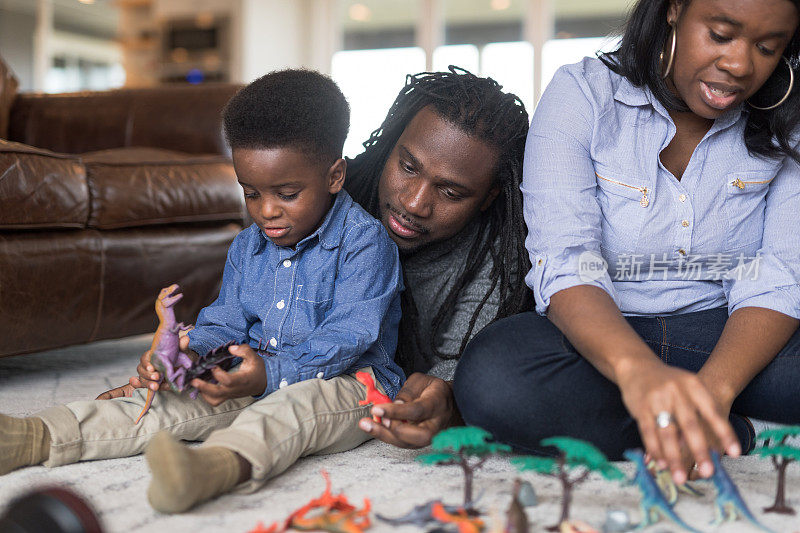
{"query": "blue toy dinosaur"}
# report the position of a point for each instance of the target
(728, 503)
(653, 502)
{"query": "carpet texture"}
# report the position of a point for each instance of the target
(390, 477)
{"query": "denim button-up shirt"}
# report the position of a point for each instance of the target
(602, 210)
(328, 307)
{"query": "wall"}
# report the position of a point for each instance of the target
(16, 44)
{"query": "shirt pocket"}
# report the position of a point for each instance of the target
(624, 202)
(744, 208)
(310, 308)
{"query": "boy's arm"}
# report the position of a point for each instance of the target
(224, 320)
(367, 287)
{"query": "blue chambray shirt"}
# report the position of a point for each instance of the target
(326, 308)
(602, 210)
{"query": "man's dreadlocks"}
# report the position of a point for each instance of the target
(479, 108)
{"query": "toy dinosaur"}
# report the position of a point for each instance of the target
(653, 501)
(336, 515)
(420, 515)
(165, 354)
(374, 396)
(668, 487)
(176, 367)
(728, 503)
(461, 518)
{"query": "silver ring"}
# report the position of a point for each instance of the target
(663, 419)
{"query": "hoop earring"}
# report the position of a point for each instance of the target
(785, 96)
(671, 54)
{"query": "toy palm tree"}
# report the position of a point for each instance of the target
(455, 446)
(775, 448)
(574, 454)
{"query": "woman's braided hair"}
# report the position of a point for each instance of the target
(478, 107)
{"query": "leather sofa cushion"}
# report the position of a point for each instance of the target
(73, 286)
(132, 187)
(118, 188)
(41, 189)
(183, 118)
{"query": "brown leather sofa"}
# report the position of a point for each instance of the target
(105, 197)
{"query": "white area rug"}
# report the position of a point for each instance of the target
(388, 476)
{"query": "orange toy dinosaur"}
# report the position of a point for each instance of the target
(337, 515)
(374, 396)
(464, 522)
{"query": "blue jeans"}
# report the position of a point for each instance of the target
(523, 381)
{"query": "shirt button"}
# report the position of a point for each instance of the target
(685, 223)
(282, 304)
(287, 263)
(320, 375)
(282, 384)
(273, 342)
(682, 251)
(682, 197)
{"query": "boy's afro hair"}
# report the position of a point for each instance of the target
(295, 108)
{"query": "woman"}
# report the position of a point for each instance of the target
(661, 189)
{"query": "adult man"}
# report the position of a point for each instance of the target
(442, 173)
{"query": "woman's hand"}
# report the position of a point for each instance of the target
(675, 411)
(250, 378)
(422, 408)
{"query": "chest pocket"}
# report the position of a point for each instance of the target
(310, 308)
(624, 203)
(744, 208)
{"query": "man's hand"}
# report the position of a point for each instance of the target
(422, 408)
(250, 379)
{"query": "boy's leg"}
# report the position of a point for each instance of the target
(102, 429)
(311, 417)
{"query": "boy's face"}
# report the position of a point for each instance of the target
(286, 192)
(436, 179)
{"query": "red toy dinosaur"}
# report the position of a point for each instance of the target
(337, 515)
(374, 396)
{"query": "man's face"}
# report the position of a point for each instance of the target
(286, 192)
(727, 49)
(435, 181)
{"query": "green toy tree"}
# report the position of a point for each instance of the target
(456, 446)
(574, 454)
(781, 454)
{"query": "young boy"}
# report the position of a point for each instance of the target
(311, 291)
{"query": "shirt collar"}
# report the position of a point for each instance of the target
(329, 232)
(631, 95)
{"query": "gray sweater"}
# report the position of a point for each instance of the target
(430, 274)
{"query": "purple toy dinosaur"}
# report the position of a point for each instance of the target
(166, 355)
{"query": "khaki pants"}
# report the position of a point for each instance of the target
(310, 417)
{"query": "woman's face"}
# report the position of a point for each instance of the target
(727, 49)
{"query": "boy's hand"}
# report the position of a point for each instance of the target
(149, 377)
(249, 380)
